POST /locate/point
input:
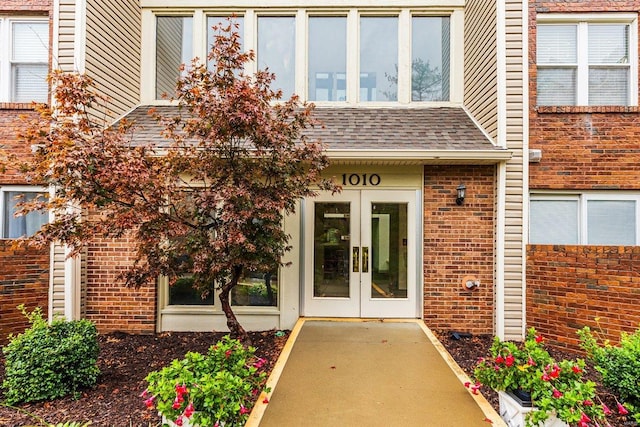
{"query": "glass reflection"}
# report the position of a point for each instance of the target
(327, 58)
(378, 59)
(276, 50)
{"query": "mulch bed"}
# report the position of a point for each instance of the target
(125, 360)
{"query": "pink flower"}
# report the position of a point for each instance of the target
(179, 421)
(243, 410)
(587, 403)
(545, 377)
(606, 409)
(217, 424)
(144, 394)
(189, 410)
(509, 360)
(584, 420)
(149, 402)
(176, 404)
(557, 393)
(531, 362)
(622, 409)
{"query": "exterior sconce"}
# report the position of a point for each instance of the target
(461, 192)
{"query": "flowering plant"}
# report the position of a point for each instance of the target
(213, 389)
(555, 387)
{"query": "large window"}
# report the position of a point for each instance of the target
(277, 50)
(587, 219)
(327, 59)
(343, 55)
(19, 226)
(586, 63)
(24, 59)
(174, 38)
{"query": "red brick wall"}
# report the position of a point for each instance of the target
(24, 6)
(111, 305)
(21, 282)
(568, 287)
(459, 241)
(582, 147)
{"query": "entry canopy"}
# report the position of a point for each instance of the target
(407, 135)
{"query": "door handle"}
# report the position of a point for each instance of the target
(355, 257)
(365, 259)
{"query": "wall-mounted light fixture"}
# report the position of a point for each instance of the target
(461, 192)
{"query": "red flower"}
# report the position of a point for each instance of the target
(555, 372)
(227, 353)
(545, 377)
(189, 410)
(149, 402)
(587, 403)
(179, 421)
(622, 409)
(499, 359)
(539, 339)
(584, 420)
(266, 400)
(576, 369)
(606, 409)
(181, 389)
(531, 362)
(467, 384)
(557, 393)
(176, 404)
(509, 360)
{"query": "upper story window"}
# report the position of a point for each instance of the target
(325, 56)
(590, 60)
(585, 219)
(12, 226)
(24, 59)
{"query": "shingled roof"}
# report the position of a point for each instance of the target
(428, 134)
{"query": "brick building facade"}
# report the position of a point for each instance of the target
(590, 154)
(24, 272)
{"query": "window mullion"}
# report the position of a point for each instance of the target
(404, 57)
(300, 73)
(582, 224)
(250, 39)
(582, 90)
(353, 56)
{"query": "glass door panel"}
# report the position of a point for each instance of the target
(332, 231)
(388, 250)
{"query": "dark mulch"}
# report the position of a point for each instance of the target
(124, 362)
(126, 359)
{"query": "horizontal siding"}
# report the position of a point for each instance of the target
(514, 250)
(112, 54)
(57, 300)
(480, 52)
(66, 37)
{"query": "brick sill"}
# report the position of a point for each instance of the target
(17, 105)
(586, 109)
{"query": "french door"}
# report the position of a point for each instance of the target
(361, 254)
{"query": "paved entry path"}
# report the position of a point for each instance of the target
(369, 373)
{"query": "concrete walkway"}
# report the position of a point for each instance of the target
(368, 373)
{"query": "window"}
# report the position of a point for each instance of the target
(277, 50)
(430, 58)
(174, 38)
(26, 225)
(341, 55)
(24, 59)
(327, 59)
(586, 63)
(588, 219)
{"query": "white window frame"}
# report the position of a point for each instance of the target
(583, 199)
(353, 14)
(20, 189)
(6, 41)
(582, 21)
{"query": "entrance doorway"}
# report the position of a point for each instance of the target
(361, 252)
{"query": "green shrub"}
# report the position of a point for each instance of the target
(48, 361)
(619, 365)
(218, 388)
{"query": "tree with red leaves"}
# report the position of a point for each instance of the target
(210, 202)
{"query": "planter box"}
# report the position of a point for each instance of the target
(513, 412)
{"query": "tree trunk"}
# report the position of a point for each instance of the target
(236, 329)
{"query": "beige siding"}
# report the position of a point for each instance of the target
(514, 250)
(112, 56)
(57, 300)
(66, 36)
(480, 52)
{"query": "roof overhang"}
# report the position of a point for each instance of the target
(415, 157)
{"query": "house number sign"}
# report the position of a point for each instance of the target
(363, 179)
